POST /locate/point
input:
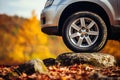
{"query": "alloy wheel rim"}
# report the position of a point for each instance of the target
(83, 32)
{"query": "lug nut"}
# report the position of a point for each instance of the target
(86, 35)
(82, 35)
(80, 31)
(87, 30)
(83, 28)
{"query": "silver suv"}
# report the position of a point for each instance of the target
(85, 25)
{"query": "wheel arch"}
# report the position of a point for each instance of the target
(83, 6)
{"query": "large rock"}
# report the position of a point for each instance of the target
(95, 59)
(32, 66)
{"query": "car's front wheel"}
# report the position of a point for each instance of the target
(84, 32)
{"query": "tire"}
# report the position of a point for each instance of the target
(84, 32)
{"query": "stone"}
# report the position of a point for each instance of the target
(49, 62)
(95, 59)
(32, 66)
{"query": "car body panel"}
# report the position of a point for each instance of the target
(53, 13)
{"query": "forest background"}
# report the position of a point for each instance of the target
(21, 40)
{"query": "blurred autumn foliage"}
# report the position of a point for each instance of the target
(21, 40)
(112, 47)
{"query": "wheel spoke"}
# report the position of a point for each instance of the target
(79, 43)
(93, 33)
(88, 40)
(75, 27)
(91, 25)
(82, 20)
(74, 35)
